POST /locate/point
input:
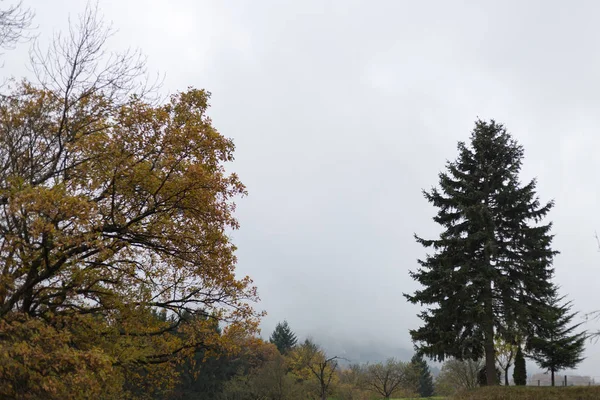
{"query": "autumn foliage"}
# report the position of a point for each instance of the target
(114, 220)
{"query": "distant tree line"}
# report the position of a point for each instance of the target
(284, 368)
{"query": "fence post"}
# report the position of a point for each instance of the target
(538, 382)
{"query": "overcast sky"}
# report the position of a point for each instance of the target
(342, 111)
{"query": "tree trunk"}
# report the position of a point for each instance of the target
(488, 331)
(552, 376)
(488, 319)
(490, 362)
(506, 375)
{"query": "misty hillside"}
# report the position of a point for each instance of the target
(367, 351)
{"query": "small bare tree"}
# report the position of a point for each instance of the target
(457, 374)
(387, 379)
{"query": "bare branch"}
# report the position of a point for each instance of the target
(77, 65)
(15, 21)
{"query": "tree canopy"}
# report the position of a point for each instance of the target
(491, 267)
(558, 346)
(520, 370)
(425, 380)
(309, 362)
(113, 207)
(388, 378)
(505, 355)
(458, 375)
(283, 337)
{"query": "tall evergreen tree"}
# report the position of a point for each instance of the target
(425, 384)
(283, 337)
(520, 370)
(491, 266)
(558, 347)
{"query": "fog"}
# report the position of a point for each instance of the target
(342, 111)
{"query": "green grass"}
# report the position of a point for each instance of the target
(531, 393)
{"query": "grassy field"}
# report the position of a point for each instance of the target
(531, 393)
(524, 393)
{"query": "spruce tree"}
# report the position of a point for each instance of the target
(520, 370)
(283, 337)
(557, 347)
(491, 266)
(425, 380)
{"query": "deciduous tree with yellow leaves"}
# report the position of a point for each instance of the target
(113, 208)
(310, 364)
